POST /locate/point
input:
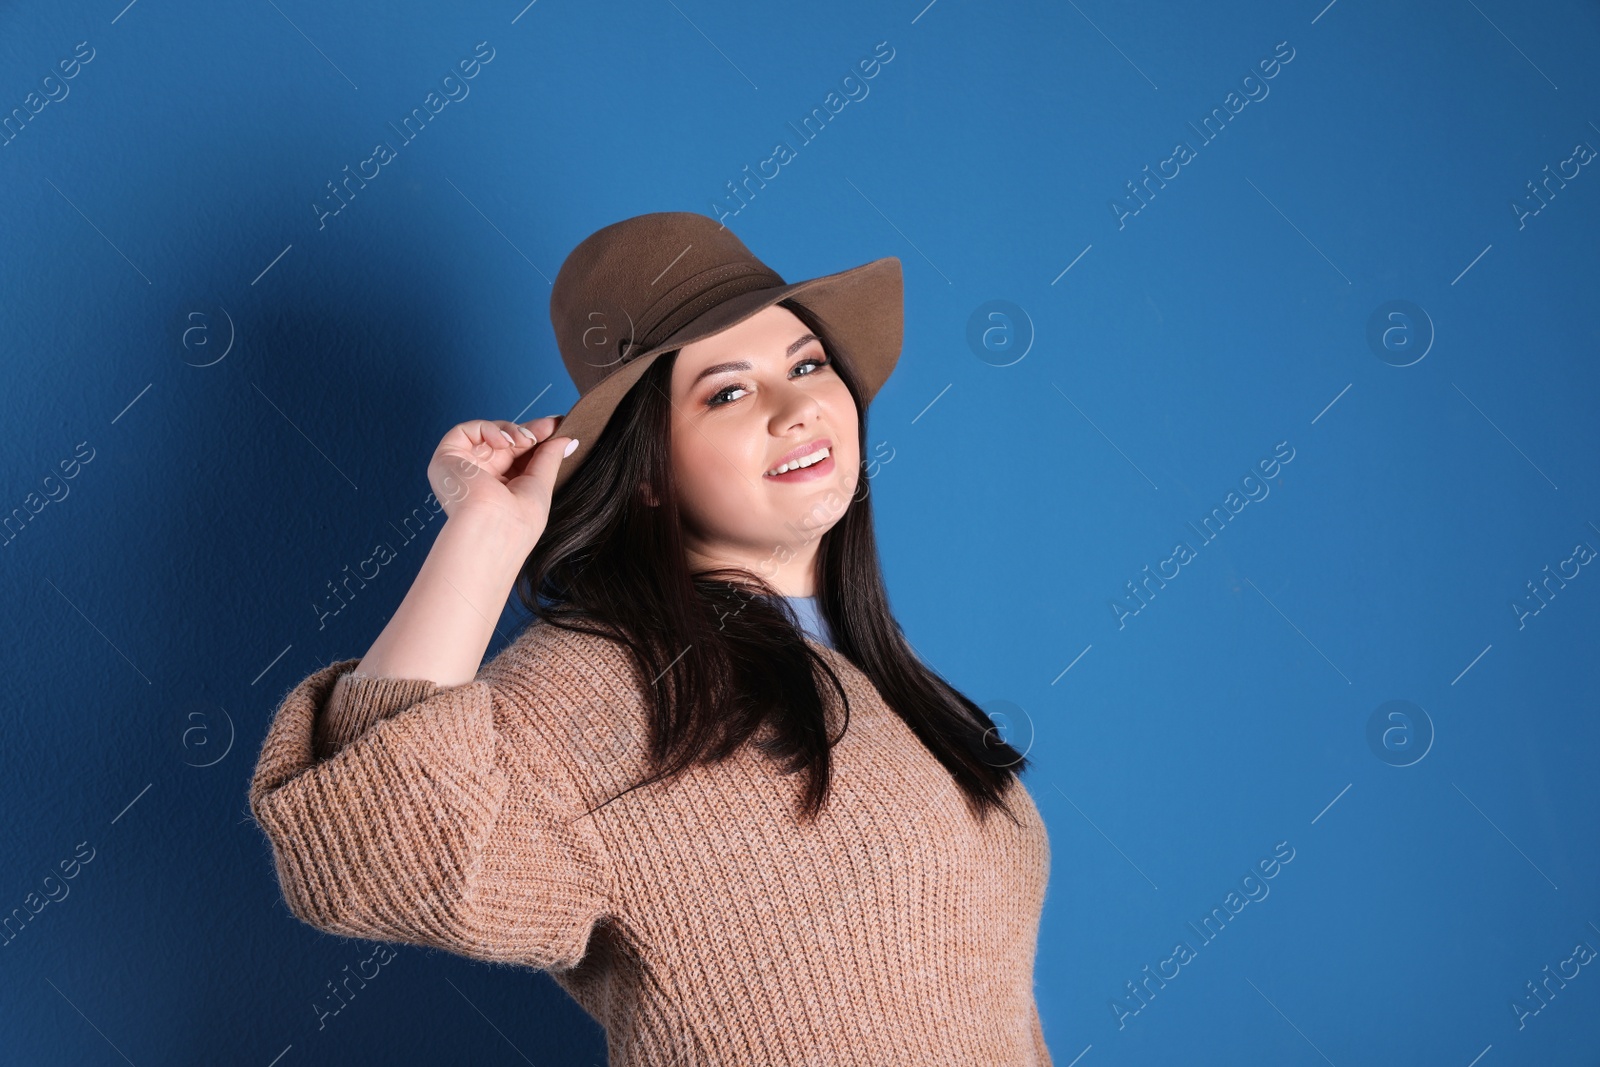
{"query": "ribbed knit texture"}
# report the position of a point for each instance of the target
(698, 921)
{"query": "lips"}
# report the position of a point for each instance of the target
(820, 469)
(803, 450)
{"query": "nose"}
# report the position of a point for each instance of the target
(793, 404)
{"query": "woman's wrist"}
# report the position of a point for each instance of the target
(494, 531)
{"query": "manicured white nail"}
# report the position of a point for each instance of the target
(572, 446)
(509, 439)
(526, 432)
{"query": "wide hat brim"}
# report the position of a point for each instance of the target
(863, 308)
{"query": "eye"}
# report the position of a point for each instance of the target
(720, 397)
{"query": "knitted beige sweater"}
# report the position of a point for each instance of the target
(698, 921)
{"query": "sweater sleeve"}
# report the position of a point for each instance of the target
(401, 810)
(1041, 1050)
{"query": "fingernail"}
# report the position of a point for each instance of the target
(526, 432)
(509, 439)
(572, 446)
(555, 416)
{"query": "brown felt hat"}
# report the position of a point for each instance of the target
(654, 283)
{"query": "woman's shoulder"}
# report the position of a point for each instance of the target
(576, 692)
(543, 649)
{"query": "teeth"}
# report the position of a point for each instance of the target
(804, 461)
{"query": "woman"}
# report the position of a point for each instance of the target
(709, 787)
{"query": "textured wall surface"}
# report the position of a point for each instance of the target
(1242, 461)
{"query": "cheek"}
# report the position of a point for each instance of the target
(840, 408)
(710, 486)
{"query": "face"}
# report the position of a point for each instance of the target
(743, 400)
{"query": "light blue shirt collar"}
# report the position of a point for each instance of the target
(811, 620)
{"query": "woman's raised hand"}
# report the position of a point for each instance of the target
(504, 469)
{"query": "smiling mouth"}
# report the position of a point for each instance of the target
(806, 462)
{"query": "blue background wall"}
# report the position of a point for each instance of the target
(220, 393)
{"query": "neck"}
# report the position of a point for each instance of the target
(794, 577)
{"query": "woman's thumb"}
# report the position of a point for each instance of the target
(546, 460)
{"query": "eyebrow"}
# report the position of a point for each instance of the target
(744, 364)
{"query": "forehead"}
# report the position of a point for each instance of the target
(766, 334)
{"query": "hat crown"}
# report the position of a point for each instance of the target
(630, 286)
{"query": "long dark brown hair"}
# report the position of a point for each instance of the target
(723, 647)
